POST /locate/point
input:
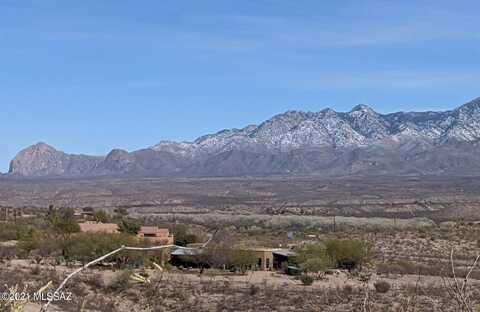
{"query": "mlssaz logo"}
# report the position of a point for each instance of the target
(52, 296)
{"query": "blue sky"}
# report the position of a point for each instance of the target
(88, 76)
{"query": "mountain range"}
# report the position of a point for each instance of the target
(330, 143)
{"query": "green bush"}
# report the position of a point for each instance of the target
(85, 247)
(61, 221)
(347, 254)
(121, 281)
(381, 286)
(313, 258)
(183, 236)
(316, 265)
(29, 240)
(129, 226)
(101, 216)
(306, 279)
(242, 259)
(11, 231)
(7, 253)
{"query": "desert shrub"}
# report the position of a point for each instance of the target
(381, 286)
(347, 254)
(29, 240)
(347, 289)
(313, 258)
(121, 281)
(306, 279)
(7, 253)
(316, 265)
(61, 221)
(11, 231)
(253, 290)
(101, 216)
(35, 270)
(183, 236)
(129, 226)
(241, 259)
(85, 247)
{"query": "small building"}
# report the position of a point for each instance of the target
(264, 258)
(156, 235)
(271, 258)
(97, 227)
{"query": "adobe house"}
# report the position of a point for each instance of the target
(94, 227)
(264, 258)
(269, 259)
(156, 235)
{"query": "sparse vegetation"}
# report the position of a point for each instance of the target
(347, 254)
(306, 279)
(121, 281)
(129, 226)
(101, 216)
(382, 286)
(183, 236)
(403, 265)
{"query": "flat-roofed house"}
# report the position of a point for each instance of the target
(156, 235)
(264, 257)
(269, 259)
(94, 227)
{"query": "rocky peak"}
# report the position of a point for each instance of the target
(36, 159)
(117, 161)
(117, 154)
(367, 122)
(328, 112)
(40, 147)
(469, 109)
(363, 109)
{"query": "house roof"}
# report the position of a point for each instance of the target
(98, 227)
(284, 252)
(186, 252)
(153, 230)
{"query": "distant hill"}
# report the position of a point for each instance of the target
(329, 143)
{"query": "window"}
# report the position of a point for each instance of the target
(259, 262)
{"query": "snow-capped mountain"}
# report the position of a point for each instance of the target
(362, 126)
(324, 142)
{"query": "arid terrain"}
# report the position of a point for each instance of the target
(421, 233)
(414, 264)
(437, 198)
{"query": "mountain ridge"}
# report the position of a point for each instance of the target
(295, 142)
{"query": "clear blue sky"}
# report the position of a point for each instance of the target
(88, 76)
